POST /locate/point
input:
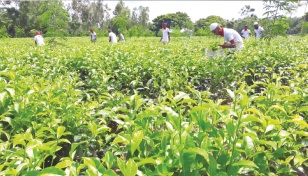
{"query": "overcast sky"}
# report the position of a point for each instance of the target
(199, 9)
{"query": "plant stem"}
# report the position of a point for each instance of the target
(235, 138)
(54, 152)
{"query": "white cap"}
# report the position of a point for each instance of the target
(213, 26)
(256, 23)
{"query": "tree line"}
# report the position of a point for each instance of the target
(59, 18)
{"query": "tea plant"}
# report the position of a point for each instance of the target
(141, 108)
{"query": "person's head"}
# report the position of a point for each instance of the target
(37, 33)
(164, 24)
(256, 25)
(109, 30)
(246, 27)
(215, 28)
(91, 30)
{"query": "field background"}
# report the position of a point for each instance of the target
(140, 108)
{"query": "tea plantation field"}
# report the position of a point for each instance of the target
(141, 108)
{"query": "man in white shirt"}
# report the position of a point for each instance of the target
(233, 39)
(38, 39)
(258, 30)
(246, 32)
(93, 35)
(112, 37)
(166, 34)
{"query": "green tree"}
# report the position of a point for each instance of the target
(54, 18)
(89, 13)
(10, 20)
(304, 24)
(247, 11)
(180, 19)
(202, 25)
(134, 17)
(3, 32)
(296, 26)
(277, 24)
(121, 20)
(119, 8)
(29, 16)
(143, 18)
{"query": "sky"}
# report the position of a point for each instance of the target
(200, 9)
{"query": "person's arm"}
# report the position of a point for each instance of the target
(169, 36)
(231, 45)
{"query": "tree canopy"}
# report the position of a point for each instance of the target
(55, 18)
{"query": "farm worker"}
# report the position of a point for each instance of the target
(232, 38)
(166, 33)
(258, 30)
(112, 36)
(93, 35)
(246, 32)
(38, 39)
(121, 37)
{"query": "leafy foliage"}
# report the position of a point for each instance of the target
(142, 108)
(180, 19)
(54, 24)
(204, 23)
(278, 24)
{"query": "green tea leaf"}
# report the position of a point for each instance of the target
(90, 164)
(302, 133)
(60, 131)
(64, 163)
(245, 163)
(212, 166)
(231, 94)
(122, 166)
(109, 159)
(299, 160)
(131, 168)
(120, 139)
(180, 96)
(52, 171)
(269, 128)
(146, 161)
(270, 143)
(278, 107)
(200, 152)
(136, 140)
(11, 91)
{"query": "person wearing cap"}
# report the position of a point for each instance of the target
(166, 34)
(112, 36)
(121, 37)
(233, 38)
(258, 30)
(93, 35)
(38, 39)
(246, 32)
